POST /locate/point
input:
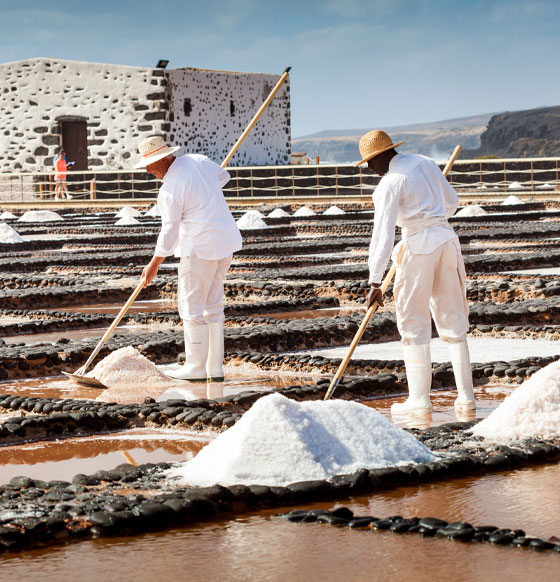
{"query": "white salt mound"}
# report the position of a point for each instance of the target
(154, 211)
(39, 216)
(7, 214)
(304, 211)
(515, 186)
(126, 221)
(280, 441)
(255, 213)
(511, 200)
(278, 213)
(472, 210)
(127, 211)
(127, 366)
(250, 221)
(533, 410)
(334, 210)
(8, 234)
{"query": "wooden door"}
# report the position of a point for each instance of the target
(74, 142)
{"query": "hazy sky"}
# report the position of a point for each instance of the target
(355, 63)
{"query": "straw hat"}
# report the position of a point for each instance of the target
(374, 143)
(153, 149)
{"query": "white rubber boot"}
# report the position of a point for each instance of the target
(419, 376)
(214, 365)
(196, 354)
(460, 360)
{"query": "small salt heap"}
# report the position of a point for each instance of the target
(8, 234)
(334, 210)
(256, 213)
(127, 211)
(471, 210)
(278, 213)
(281, 441)
(39, 216)
(515, 186)
(154, 211)
(127, 221)
(250, 221)
(533, 410)
(7, 215)
(511, 200)
(304, 211)
(128, 366)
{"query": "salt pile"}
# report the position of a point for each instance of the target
(127, 211)
(511, 200)
(278, 213)
(7, 214)
(334, 210)
(280, 441)
(8, 234)
(126, 221)
(304, 211)
(127, 366)
(251, 221)
(39, 216)
(255, 213)
(472, 210)
(515, 186)
(539, 187)
(154, 211)
(533, 410)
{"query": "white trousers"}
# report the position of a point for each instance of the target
(200, 295)
(432, 283)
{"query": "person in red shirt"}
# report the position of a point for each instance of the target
(61, 167)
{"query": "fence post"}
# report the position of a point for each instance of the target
(505, 178)
(131, 185)
(92, 193)
(532, 177)
(294, 182)
(251, 180)
(318, 189)
(336, 181)
(276, 181)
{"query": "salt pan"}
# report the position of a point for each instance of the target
(278, 213)
(127, 211)
(126, 221)
(8, 234)
(281, 441)
(250, 221)
(304, 211)
(39, 216)
(334, 210)
(472, 210)
(533, 410)
(128, 366)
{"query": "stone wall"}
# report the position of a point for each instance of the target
(203, 111)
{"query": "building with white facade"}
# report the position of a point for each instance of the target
(100, 112)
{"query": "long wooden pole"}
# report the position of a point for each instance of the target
(256, 117)
(374, 305)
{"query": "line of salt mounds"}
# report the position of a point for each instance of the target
(280, 441)
(471, 210)
(39, 216)
(532, 410)
(278, 213)
(127, 211)
(334, 210)
(127, 221)
(128, 366)
(304, 211)
(250, 221)
(9, 235)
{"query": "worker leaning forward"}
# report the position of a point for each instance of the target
(430, 273)
(198, 227)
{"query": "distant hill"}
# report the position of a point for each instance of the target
(521, 134)
(435, 139)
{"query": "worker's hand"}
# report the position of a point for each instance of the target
(375, 294)
(151, 269)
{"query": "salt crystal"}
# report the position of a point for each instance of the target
(8, 234)
(532, 410)
(250, 221)
(334, 210)
(128, 366)
(126, 221)
(304, 211)
(278, 213)
(281, 441)
(471, 210)
(39, 216)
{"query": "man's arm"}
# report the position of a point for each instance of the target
(151, 269)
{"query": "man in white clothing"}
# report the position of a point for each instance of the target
(198, 227)
(430, 273)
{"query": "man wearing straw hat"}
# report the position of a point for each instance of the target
(198, 227)
(430, 273)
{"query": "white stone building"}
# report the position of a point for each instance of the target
(100, 112)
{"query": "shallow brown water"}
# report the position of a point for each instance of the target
(152, 306)
(264, 548)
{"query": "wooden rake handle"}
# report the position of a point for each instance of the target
(112, 327)
(374, 305)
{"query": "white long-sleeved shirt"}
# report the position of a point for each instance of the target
(194, 214)
(413, 190)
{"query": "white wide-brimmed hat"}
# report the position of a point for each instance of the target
(153, 149)
(374, 143)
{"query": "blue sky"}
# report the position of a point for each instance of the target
(355, 63)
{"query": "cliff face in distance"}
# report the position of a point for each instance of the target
(532, 133)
